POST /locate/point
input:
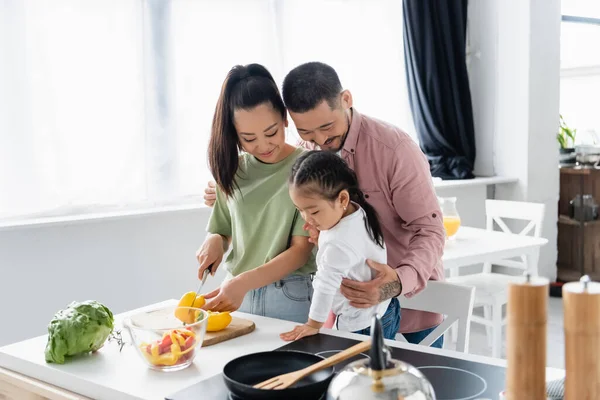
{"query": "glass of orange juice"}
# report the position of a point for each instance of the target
(450, 215)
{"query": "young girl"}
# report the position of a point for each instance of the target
(270, 265)
(325, 191)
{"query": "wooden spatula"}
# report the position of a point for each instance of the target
(286, 380)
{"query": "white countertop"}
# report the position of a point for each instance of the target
(110, 375)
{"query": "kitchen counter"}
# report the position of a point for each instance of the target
(113, 375)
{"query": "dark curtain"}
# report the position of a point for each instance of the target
(438, 84)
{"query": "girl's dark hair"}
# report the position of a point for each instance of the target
(326, 175)
(245, 87)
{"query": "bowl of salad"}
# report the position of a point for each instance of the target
(168, 338)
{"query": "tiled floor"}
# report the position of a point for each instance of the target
(555, 347)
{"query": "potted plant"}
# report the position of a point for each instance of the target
(566, 137)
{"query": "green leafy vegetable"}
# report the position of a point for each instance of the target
(81, 328)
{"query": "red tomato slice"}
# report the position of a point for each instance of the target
(189, 342)
(164, 346)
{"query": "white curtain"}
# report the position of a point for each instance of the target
(362, 40)
(71, 104)
(108, 103)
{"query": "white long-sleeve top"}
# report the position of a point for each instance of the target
(343, 253)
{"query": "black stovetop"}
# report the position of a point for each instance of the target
(451, 378)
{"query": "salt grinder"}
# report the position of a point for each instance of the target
(581, 302)
(526, 339)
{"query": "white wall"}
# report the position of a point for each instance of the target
(481, 65)
(470, 203)
(124, 263)
(514, 69)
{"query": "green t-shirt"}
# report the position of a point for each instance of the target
(260, 217)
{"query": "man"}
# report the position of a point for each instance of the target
(394, 175)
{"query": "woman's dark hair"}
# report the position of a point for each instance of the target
(325, 174)
(245, 87)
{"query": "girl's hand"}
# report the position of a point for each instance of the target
(299, 332)
(313, 233)
(211, 252)
(228, 297)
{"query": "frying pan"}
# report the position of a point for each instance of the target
(242, 373)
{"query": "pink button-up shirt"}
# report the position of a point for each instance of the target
(394, 175)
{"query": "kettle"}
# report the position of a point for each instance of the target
(380, 377)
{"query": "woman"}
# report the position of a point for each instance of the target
(271, 262)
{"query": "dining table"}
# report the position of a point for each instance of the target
(472, 246)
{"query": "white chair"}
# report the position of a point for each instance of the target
(453, 301)
(491, 288)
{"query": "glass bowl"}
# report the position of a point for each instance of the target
(163, 340)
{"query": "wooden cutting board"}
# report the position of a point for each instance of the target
(238, 327)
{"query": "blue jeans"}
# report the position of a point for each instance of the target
(390, 321)
(416, 337)
(288, 299)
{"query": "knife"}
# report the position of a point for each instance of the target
(204, 276)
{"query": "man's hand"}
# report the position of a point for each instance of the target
(210, 194)
(313, 233)
(384, 286)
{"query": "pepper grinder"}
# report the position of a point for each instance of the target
(526, 339)
(581, 305)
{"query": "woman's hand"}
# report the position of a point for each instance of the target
(228, 297)
(299, 332)
(210, 253)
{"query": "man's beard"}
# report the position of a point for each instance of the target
(342, 138)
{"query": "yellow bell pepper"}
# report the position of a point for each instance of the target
(190, 299)
(177, 338)
(167, 359)
(199, 301)
(185, 333)
(154, 350)
(217, 321)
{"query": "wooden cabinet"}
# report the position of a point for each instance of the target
(14, 386)
(578, 242)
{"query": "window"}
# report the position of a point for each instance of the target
(362, 40)
(108, 103)
(71, 104)
(580, 68)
